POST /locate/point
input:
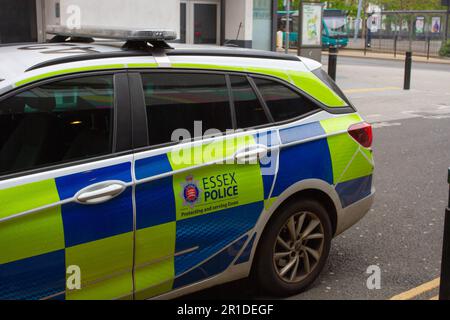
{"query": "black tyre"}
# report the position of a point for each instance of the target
(294, 248)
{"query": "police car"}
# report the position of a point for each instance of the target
(131, 168)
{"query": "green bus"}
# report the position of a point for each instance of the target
(334, 27)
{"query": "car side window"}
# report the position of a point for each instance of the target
(249, 111)
(56, 123)
(194, 103)
(283, 102)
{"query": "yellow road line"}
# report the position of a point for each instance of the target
(435, 298)
(407, 295)
(362, 90)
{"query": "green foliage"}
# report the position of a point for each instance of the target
(294, 4)
(352, 5)
(409, 4)
(445, 49)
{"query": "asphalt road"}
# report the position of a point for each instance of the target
(402, 234)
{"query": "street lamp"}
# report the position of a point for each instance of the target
(287, 4)
(358, 19)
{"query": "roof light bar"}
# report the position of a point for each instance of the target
(114, 34)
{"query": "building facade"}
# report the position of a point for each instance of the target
(244, 23)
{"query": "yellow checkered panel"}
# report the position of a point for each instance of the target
(45, 243)
(185, 220)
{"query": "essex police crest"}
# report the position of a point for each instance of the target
(190, 192)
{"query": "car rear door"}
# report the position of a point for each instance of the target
(66, 209)
(196, 204)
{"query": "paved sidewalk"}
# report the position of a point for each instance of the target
(419, 47)
(382, 56)
(387, 56)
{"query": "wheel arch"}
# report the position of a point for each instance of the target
(314, 189)
(311, 194)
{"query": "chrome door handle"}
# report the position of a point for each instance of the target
(100, 192)
(251, 154)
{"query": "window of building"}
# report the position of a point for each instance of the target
(18, 21)
(205, 23)
(183, 22)
(249, 111)
(283, 102)
(194, 102)
(262, 24)
(56, 123)
(57, 10)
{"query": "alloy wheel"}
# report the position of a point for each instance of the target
(298, 247)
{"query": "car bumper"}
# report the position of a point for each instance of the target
(353, 213)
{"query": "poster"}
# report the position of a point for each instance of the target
(420, 24)
(405, 26)
(312, 24)
(436, 25)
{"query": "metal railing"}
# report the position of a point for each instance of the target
(396, 32)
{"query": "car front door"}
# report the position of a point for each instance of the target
(198, 200)
(66, 210)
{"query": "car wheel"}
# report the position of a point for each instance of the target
(294, 248)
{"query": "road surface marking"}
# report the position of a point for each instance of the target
(363, 90)
(407, 295)
(377, 125)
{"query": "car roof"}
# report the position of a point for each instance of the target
(29, 59)
(18, 58)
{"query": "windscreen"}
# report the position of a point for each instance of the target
(336, 25)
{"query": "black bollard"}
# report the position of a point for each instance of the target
(332, 62)
(395, 45)
(444, 290)
(408, 65)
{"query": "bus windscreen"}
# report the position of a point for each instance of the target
(336, 25)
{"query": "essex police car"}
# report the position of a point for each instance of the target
(130, 169)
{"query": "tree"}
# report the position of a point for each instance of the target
(351, 6)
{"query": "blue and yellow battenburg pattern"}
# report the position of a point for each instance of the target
(223, 203)
(192, 221)
(36, 249)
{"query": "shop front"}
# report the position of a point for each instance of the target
(241, 23)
